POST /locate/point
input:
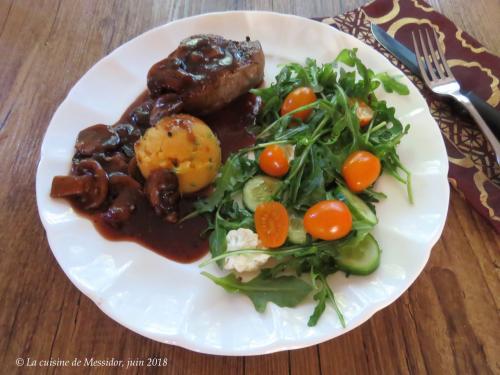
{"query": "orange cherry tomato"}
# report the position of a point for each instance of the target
(273, 161)
(271, 223)
(328, 220)
(297, 98)
(364, 113)
(360, 170)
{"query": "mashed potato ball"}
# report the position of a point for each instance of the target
(184, 144)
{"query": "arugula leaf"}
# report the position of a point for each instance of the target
(284, 291)
(347, 56)
(235, 216)
(312, 71)
(352, 123)
(391, 84)
(217, 240)
(369, 80)
(327, 77)
(353, 88)
(235, 172)
(393, 166)
(323, 294)
(312, 188)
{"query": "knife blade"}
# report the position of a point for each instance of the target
(408, 58)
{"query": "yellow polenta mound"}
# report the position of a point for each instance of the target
(184, 144)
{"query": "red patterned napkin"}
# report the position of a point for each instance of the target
(473, 169)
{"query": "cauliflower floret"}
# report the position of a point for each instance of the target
(240, 239)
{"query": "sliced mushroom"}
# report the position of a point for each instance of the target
(115, 162)
(128, 133)
(125, 192)
(162, 191)
(97, 138)
(140, 115)
(165, 105)
(134, 171)
(88, 183)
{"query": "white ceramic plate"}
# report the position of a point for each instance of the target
(172, 302)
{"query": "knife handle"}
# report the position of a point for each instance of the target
(490, 115)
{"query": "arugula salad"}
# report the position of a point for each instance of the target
(298, 206)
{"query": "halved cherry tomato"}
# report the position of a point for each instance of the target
(360, 170)
(297, 98)
(271, 223)
(364, 113)
(328, 220)
(273, 161)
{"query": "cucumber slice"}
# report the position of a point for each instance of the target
(259, 189)
(360, 259)
(358, 208)
(296, 232)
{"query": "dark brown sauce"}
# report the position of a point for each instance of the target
(181, 242)
(230, 123)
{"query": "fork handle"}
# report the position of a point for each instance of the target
(479, 120)
(489, 114)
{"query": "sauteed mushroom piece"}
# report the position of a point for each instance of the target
(88, 183)
(140, 115)
(128, 133)
(125, 191)
(134, 171)
(97, 138)
(165, 105)
(162, 191)
(115, 162)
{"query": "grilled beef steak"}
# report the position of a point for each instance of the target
(207, 72)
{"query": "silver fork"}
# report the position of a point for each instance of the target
(442, 82)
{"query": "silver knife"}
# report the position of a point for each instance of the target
(408, 58)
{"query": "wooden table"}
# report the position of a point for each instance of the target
(447, 322)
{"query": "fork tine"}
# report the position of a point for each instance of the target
(426, 56)
(439, 70)
(419, 60)
(441, 55)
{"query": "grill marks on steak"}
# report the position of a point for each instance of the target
(207, 72)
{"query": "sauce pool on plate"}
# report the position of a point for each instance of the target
(182, 242)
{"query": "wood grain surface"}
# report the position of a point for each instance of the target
(447, 322)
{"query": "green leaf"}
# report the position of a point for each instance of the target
(234, 217)
(312, 189)
(321, 297)
(284, 291)
(347, 56)
(356, 88)
(323, 294)
(217, 240)
(235, 172)
(312, 71)
(327, 77)
(391, 84)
